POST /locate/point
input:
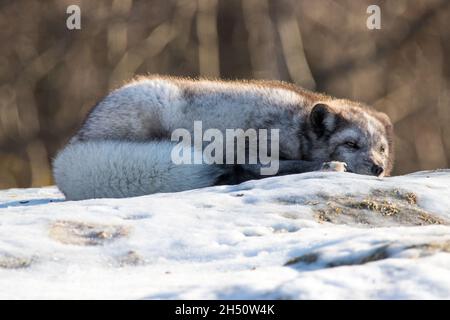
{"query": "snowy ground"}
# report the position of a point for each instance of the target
(316, 235)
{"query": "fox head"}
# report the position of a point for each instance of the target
(353, 133)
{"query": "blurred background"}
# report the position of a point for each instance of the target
(51, 76)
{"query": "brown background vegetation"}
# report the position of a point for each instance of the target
(51, 76)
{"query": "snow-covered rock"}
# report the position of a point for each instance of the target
(315, 235)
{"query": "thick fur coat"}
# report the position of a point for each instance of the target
(123, 147)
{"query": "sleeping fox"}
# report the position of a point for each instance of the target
(125, 145)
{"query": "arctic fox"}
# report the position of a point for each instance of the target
(124, 146)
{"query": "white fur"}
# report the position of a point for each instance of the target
(228, 104)
(95, 164)
(330, 122)
(113, 169)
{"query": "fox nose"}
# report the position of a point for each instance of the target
(377, 170)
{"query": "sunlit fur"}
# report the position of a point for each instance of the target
(127, 134)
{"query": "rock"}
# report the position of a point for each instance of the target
(312, 235)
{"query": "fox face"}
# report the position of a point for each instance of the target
(354, 134)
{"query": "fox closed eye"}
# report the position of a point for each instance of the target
(351, 145)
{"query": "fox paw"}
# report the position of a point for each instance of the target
(334, 166)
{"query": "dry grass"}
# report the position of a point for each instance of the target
(379, 207)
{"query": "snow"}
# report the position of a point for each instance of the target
(317, 235)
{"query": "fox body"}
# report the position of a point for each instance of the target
(123, 147)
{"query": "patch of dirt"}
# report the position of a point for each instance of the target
(380, 208)
(399, 194)
(86, 234)
(11, 262)
(131, 258)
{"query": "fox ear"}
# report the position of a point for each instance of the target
(323, 118)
